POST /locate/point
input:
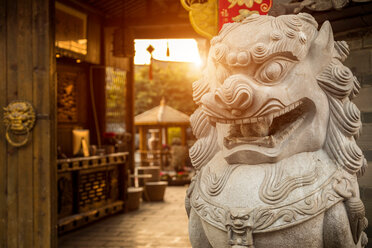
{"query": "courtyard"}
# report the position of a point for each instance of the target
(155, 224)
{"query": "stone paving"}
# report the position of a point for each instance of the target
(156, 224)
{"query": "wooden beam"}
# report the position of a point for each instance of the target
(129, 122)
(165, 32)
(345, 13)
(352, 24)
(82, 6)
(160, 20)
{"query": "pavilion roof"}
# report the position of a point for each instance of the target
(162, 115)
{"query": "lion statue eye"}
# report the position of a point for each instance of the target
(273, 70)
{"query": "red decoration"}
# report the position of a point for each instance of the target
(109, 134)
(150, 69)
(237, 10)
(150, 49)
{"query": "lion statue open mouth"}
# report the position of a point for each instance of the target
(276, 157)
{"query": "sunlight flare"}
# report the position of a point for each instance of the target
(180, 50)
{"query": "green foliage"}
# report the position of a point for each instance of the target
(171, 80)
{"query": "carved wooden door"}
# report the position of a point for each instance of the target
(27, 149)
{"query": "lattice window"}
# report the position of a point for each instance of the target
(115, 100)
(66, 102)
(93, 189)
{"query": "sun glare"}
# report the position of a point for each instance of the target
(180, 50)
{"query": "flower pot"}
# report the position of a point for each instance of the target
(154, 191)
(134, 198)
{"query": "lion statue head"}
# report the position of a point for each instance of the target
(276, 133)
(273, 88)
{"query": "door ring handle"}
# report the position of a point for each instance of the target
(19, 118)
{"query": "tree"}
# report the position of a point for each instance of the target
(171, 80)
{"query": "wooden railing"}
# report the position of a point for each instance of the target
(156, 158)
(90, 188)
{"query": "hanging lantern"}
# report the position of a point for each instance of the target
(168, 49)
(150, 49)
(123, 45)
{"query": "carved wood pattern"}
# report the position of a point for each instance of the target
(113, 179)
(92, 187)
(66, 100)
(65, 195)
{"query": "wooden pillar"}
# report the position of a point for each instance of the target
(183, 136)
(160, 134)
(166, 136)
(130, 100)
(28, 211)
(161, 131)
(166, 155)
(141, 138)
(143, 142)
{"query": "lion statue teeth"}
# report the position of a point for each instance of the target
(276, 158)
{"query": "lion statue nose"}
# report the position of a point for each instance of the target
(235, 94)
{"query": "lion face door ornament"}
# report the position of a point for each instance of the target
(19, 119)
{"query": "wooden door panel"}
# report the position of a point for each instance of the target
(27, 173)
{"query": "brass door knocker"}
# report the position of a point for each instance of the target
(19, 118)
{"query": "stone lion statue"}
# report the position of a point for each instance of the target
(276, 157)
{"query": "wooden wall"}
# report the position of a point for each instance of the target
(83, 115)
(77, 75)
(27, 174)
(94, 33)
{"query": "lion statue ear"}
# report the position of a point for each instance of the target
(323, 45)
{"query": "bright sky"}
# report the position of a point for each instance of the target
(181, 50)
